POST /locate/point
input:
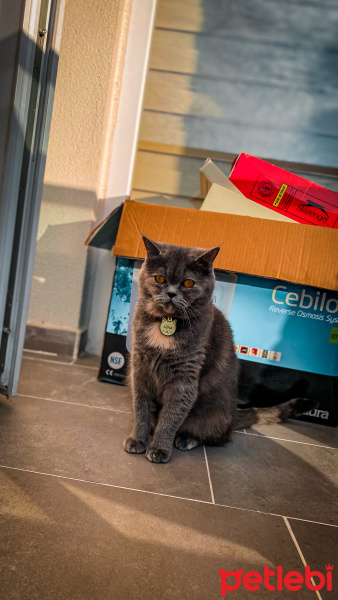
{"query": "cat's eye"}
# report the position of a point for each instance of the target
(188, 283)
(160, 279)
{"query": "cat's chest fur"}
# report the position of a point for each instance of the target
(164, 359)
(156, 339)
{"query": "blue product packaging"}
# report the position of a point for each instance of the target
(285, 335)
(114, 358)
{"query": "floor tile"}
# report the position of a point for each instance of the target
(259, 473)
(300, 431)
(65, 540)
(86, 443)
(319, 545)
(73, 383)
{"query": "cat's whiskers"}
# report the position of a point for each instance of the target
(161, 299)
(187, 318)
(191, 312)
(194, 311)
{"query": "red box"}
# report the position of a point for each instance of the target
(284, 192)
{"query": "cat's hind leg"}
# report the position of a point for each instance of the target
(187, 441)
(213, 429)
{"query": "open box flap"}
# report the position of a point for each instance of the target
(209, 174)
(104, 235)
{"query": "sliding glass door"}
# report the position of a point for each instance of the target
(30, 33)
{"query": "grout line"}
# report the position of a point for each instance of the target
(262, 512)
(121, 487)
(309, 521)
(209, 477)
(299, 551)
(295, 541)
(270, 437)
(59, 362)
(75, 403)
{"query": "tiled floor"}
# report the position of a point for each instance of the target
(83, 520)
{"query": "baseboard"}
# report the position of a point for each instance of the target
(63, 342)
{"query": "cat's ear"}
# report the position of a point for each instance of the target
(205, 261)
(151, 248)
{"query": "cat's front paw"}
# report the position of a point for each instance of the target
(134, 446)
(157, 455)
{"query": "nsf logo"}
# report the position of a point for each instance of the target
(115, 360)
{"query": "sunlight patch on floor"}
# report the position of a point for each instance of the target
(140, 526)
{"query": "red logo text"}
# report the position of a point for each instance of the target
(275, 580)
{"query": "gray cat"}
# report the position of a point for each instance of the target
(183, 368)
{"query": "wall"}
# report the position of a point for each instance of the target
(225, 77)
(253, 75)
(84, 116)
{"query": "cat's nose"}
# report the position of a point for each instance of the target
(172, 294)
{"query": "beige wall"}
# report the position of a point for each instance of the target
(85, 107)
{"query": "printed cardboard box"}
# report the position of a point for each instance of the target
(286, 337)
(280, 298)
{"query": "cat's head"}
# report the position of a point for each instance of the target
(175, 280)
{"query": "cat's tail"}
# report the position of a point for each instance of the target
(246, 417)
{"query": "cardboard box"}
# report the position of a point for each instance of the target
(284, 192)
(300, 254)
(280, 298)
